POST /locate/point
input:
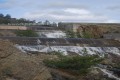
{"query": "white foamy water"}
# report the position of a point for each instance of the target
(110, 74)
(52, 34)
(76, 49)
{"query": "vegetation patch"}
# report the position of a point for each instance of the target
(26, 33)
(71, 34)
(87, 35)
(75, 64)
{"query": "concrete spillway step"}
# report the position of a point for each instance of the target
(63, 41)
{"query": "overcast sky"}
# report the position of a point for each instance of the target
(107, 11)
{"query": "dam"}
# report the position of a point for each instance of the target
(79, 46)
(63, 41)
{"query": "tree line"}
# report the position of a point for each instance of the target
(8, 20)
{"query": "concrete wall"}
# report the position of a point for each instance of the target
(66, 26)
(13, 27)
(104, 26)
(76, 27)
(112, 36)
(70, 26)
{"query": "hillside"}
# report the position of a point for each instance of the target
(15, 65)
(7, 33)
(98, 31)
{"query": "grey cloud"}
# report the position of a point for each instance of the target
(116, 7)
(54, 10)
(9, 4)
(36, 4)
(5, 5)
(61, 15)
(65, 5)
(26, 4)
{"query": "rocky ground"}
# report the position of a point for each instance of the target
(98, 31)
(15, 65)
(7, 33)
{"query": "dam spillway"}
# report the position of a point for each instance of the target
(63, 41)
(66, 45)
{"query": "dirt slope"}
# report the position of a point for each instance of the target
(15, 65)
(7, 33)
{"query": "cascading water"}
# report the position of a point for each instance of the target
(76, 49)
(53, 34)
(110, 74)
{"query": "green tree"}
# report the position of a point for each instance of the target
(78, 34)
(87, 35)
(8, 16)
(70, 34)
(47, 23)
(1, 15)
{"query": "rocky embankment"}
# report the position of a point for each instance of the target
(98, 31)
(7, 33)
(14, 65)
